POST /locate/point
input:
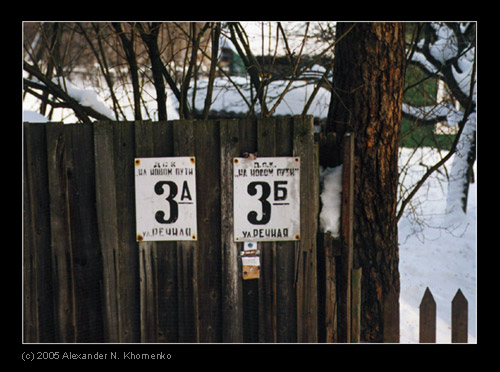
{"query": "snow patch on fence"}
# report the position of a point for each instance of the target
(329, 218)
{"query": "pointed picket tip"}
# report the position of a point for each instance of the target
(459, 318)
(428, 298)
(459, 298)
(427, 318)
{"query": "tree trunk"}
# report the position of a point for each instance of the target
(369, 70)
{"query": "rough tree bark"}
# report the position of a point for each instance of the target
(369, 70)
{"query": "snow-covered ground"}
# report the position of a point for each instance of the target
(437, 250)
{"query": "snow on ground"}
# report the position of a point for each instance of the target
(437, 250)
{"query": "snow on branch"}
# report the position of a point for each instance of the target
(85, 97)
(85, 103)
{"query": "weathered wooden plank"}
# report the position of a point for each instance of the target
(459, 318)
(356, 305)
(184, 145)
(391, 317)
(232, 297)
(266, 146)
(344, 261)
(128, 253)
(427, 317)
(209, 250)
(85, 249)
(331, 334)
(144, 147)
(63, 283)
(250, 288)
(38, 293)
(105, 186)
(31, 325)
(286, 301)
(306, 256)
(166, 252)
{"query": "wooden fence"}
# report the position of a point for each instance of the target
(459, 318)
(86, 279)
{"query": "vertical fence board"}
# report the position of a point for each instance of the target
(60, 234)
(144, 147)
(331, 331)
(459, 318)
(345, 260)
(86, 261)
(303, 146)
(108, 229)
(232, 299)
(187, 276)
(427, 317)
(166, 252)
(209, 252)
(356, 305)
(286, 301)
(31, 326)
(38, 293)
(128, 253)
(266, 146)
(391, 317)
(250, 288)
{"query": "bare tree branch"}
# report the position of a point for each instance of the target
(82, 112)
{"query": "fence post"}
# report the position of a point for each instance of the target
(427, 325)
(459, 321)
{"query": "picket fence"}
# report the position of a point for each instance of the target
(459, 318)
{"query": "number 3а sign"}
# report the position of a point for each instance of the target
(165, 198)
(266, 199)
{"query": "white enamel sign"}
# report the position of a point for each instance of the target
(165, 198)
(266, 199)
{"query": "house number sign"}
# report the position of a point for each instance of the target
(165, 197)
(266, 199)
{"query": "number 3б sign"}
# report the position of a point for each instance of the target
(165, 198)
(266, 199)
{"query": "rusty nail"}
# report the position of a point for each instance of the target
(192, 160)
(297, 160)
(137, 162)
(297, 236)
(235, 161)
(193, 236)
(140, 238)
